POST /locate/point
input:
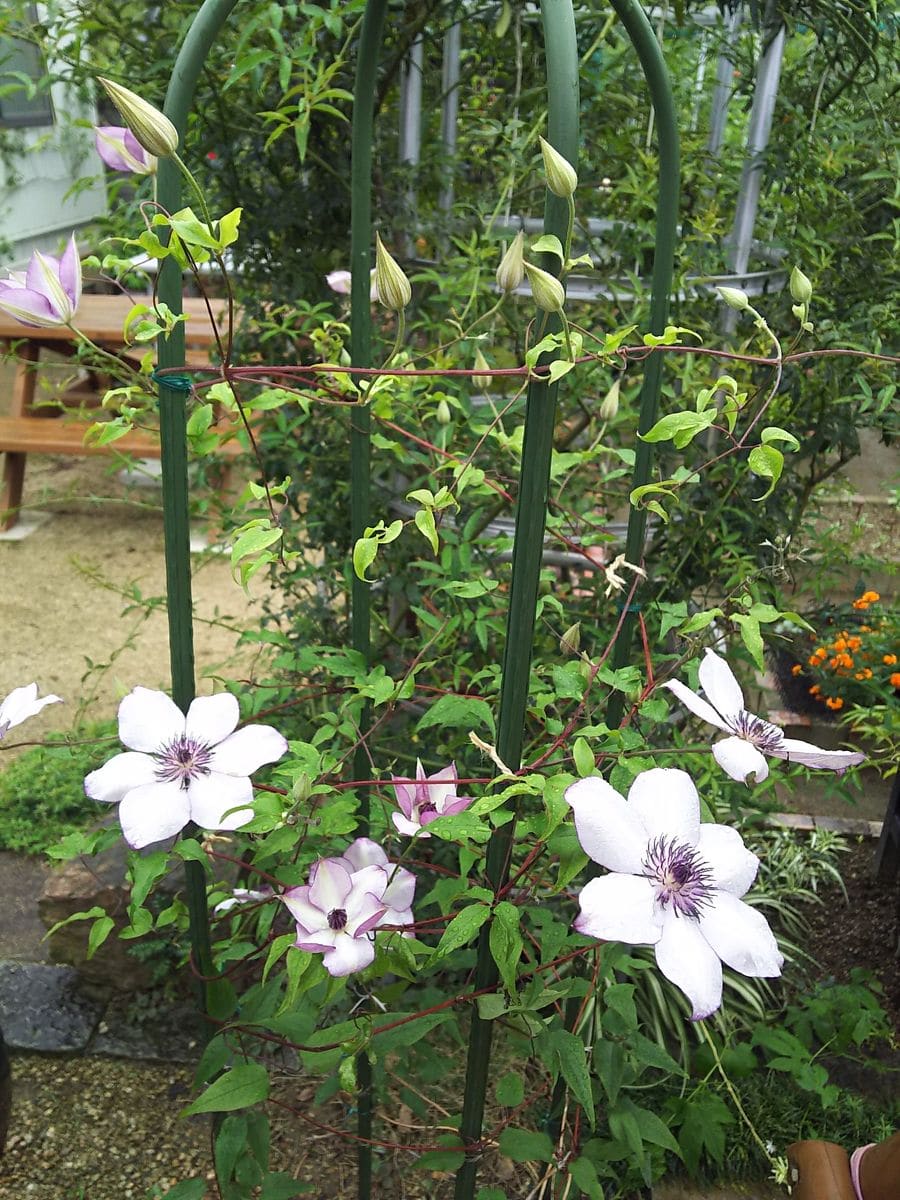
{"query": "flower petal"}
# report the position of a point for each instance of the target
(406, 827)
(331, 886)
(316, 940)
(22, 703)
(70, 273)
(245, 750)
(696, 704)
(296, 901)
(210, 720)
(608, 828)
(112, 782)
(212, 797)
(349, 954)
(619, 908)
(405, 793)
(741, 937)
(153, 812)
(149, 719)
(686, 958)
(666, 802)
(364, 853)
(401, 888)
(720, 686)
(739, 759)
(811, 756)
(733, 866)
(28, 306)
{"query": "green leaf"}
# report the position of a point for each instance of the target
(492, 1006)
(523, 1145)
(679, 428)
(462, 929)
(572, 1059)
(768, 463)
(364, 552)
(510, 1090)
(100, 931)
(278, 1185)
(425, 524)
(751, 636)
(548, 243)
(506, 943)
(237, 1088)
(772, 433)
(466, 712)
(584, 758)
(584, 1173)
(145, 870)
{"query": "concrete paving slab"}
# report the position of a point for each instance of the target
(42, 1008)
(22, 880)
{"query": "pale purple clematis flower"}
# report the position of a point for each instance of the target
(426, 798)
(22, 703)
(121, 151)
(674, 884)
(336, 911)
(47, 292)
(182, 768)
(743, 754)
(340, 282)
(401, 884)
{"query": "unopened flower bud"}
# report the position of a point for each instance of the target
(570, 642)
(561, 177)
(801, 288)
(734, 298)
(481, 364)
(799, 311)
(548, 292)
(393, 287)
(301, 789)
(511, 271)
(610, 405)
(443, 414)
(153, 129)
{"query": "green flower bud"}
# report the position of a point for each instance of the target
(301, 789)
(734, 298)
(570, 642)
(481, 364)
(443, 414)
(548, 292)
(511, 271)
(801, 288)
(153, 129)
(393, 287)
(799, 311)
(610, 405)
(561, 178)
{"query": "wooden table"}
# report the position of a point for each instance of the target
(56, 428)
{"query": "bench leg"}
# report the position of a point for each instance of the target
(23, 388)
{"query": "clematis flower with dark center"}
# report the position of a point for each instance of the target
(425, 798)
(336, 911)
(181, 768)
(47, 292)
(22, 703)
(752, 738)
(674, 883)
(121, 151)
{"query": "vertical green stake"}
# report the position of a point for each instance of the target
(531, 515)
(361, 455)
(173, 440)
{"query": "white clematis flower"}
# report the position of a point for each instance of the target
(743, 753)
(675, 884)
(182, 768)
(22, 703)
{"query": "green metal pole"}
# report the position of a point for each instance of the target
(531, 514)
(361, 455)
(173, 440)
(659, 85)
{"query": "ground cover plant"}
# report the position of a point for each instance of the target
(489, 826)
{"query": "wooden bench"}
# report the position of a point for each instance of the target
(59, 427)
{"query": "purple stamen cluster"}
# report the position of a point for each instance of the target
(182, 760)
(682, 877)
(337, 918)
(765, 737)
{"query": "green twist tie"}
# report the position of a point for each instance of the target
(178, 383)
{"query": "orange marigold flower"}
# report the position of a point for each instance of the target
(865, 628)
(895, 679)
(889, 659)
(813, 661)
(872, 597)
(814, 690)
(834, 703)
(796, 669)
(840, 644)
(854, 643)
(867, 672)
(860, 605)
